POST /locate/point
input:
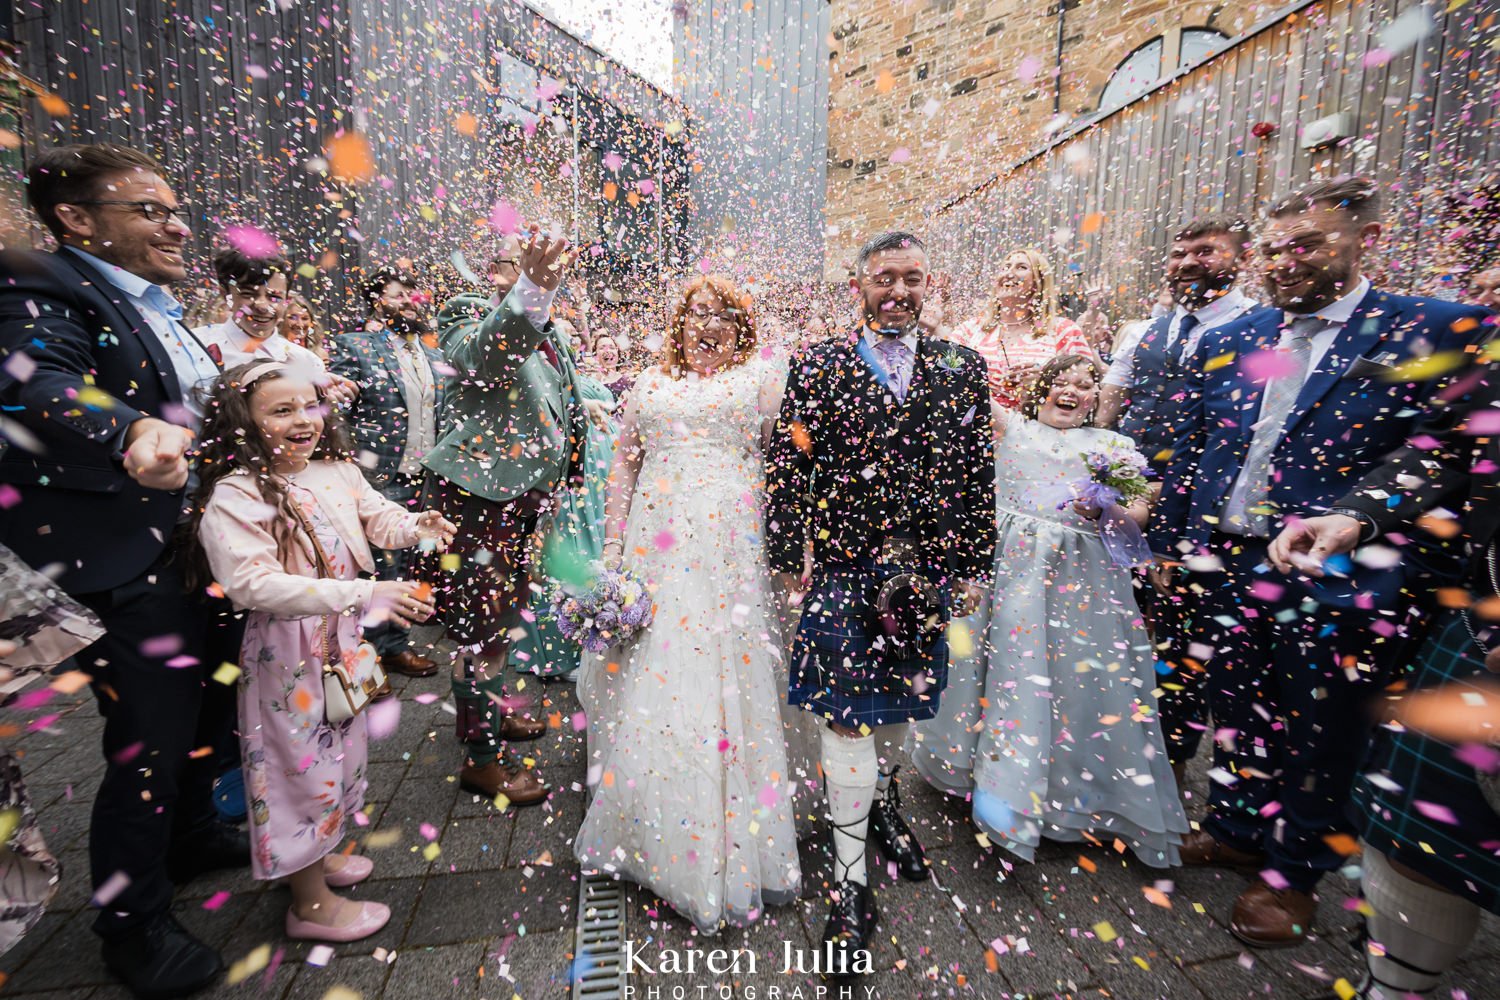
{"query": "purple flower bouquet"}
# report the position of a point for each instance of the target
(1117, 478)
(610, 613)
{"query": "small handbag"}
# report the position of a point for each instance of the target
(350, 680)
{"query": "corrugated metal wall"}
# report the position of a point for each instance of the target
(1103, 200)
(757, 78)
(235, 98)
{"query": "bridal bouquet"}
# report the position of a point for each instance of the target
(611, 612)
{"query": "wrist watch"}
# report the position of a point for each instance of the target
(1367, 527)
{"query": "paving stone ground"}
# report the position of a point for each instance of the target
(493, 915)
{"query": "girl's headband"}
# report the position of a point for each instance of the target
(260, 370)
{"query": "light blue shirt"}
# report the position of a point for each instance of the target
(192, 365)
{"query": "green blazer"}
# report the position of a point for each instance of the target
(513, 422)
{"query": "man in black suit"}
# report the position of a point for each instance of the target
(102, 376)
(880, 483)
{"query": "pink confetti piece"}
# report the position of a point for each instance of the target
(613, 161)
(1435, 811)
(112, 887)
(664, 540)
(900, 155)
(1266, 590)
(34, 699)
(1263, 366)
(723, 745)
(1484, 759)
(428, 831)
(252, 242)
(1028, 68)
(425, 698)
(580, 722)
(182, 662)
(19, 366)
(768, 796)
(1274, 879)
(44, 721)
(9, 495)
(160, 647)
(217, 900)
(504, 219)
(383, 718)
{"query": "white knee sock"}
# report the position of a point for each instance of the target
(850, 769)
(1422, 930)
(888, 742)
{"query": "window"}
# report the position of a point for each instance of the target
(1144, 69)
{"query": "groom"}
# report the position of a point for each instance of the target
(880, 505)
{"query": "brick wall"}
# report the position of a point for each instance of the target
(930, 97)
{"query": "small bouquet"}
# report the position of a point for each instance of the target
(610, 613)
(1117, 479)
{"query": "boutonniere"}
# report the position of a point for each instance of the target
(950, 360)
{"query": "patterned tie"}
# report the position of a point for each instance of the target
(896, 357)
(1280, 397)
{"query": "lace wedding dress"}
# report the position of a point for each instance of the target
(690, 791)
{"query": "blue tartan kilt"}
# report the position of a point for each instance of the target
(837, 670)
(1403, 769)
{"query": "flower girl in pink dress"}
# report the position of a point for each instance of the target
(285, 522)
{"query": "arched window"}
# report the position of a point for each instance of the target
(1144, 68)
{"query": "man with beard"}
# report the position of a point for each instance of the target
(1148, 381)
(1286, 411)
(395, 423)
(880, 504)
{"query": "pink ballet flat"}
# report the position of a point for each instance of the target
(372, 917)
(356, 869)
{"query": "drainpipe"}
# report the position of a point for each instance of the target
(1062, 23)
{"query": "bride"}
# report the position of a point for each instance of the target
(690, 794)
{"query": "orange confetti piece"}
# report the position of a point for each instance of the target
(1342, 843)
(1086, 864)
(423, 592)
(611, 189)
(609, 779)
(1091, 223)
(466, 124)
(885, 82)
(302, 700)
(1442, 527)
(350, 159)
(54, 105)
(1156, 897)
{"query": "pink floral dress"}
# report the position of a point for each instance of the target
(304, 782)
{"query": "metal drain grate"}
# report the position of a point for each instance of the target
(600, 960)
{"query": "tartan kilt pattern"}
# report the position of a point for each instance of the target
(838, 671)
(1403, 769)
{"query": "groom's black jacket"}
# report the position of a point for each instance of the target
(849, 464)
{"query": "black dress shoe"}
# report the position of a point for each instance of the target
(162, 960)
(851, 921)
(218, 846)
(895, 839)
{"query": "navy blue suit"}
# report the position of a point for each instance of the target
(98, 367)
(1289, 660)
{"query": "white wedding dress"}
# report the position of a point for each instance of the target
(690, 791)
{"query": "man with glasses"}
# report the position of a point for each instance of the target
(100, 374)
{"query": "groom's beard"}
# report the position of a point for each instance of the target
(886, 328)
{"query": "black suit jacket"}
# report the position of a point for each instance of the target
(847, 460)
(98, 367)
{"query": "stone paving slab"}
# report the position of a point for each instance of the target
(491, 914)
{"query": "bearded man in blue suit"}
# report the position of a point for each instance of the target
(1289, 409)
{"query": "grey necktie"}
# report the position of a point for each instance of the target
(1280, 397)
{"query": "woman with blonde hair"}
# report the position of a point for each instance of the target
(300, 325)
(1021, 329)
(689, 789)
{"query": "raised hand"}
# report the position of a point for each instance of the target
(433, 526)
(544, 259)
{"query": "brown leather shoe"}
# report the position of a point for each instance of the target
(1272, 918)
(521, 786)
(1200, 848)
(384, 691)
(409, 663)
(519, 729)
